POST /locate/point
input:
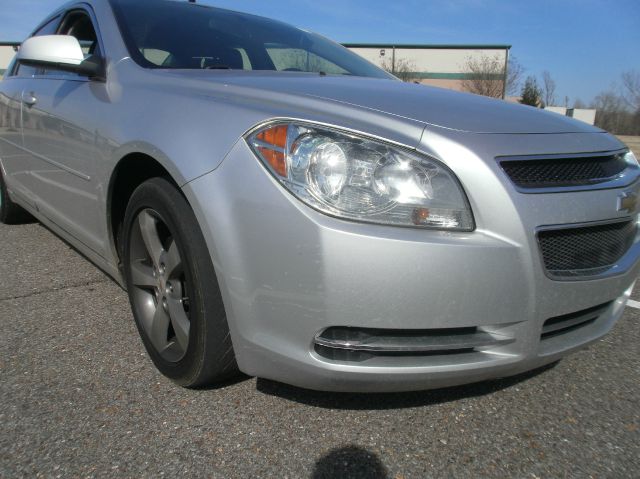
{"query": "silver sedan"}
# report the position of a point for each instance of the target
(275, 204)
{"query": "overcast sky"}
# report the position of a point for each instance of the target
(585, 44)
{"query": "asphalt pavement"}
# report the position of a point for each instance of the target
(80, 398)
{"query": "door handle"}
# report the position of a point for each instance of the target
(29, 99)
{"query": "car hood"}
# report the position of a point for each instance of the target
(432, 106)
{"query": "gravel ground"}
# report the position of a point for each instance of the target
(79, 397)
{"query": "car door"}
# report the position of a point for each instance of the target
(61, 134)
(16, 161)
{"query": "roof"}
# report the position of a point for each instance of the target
(384, 45)
(427, 47)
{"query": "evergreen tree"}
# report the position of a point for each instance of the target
(531, 92)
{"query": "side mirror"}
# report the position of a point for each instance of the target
(60, 52)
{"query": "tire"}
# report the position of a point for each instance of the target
(173, 289)
(10, 213)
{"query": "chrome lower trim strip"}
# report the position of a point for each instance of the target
(416, 344)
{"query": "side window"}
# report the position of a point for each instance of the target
(78, 24)
(155, 55)
(246, 62)
(48, 28)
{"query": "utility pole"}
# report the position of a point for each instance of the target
(505, 74)
(393, 60)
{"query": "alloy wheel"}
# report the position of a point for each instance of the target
(160, 290)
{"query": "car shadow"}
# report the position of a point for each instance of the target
(382, 401)
(349, 462)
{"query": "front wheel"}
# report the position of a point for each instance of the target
(173, 289)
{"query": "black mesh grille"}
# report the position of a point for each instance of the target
(587, 250)
(564, 172)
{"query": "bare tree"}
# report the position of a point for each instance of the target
(548, 88)
(405, 70)
(609, 111)
(579, 103)
(631, 89)
(515, 73)
(486, 76)
(613, 114)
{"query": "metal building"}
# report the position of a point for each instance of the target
(445, 66)
(7, 51)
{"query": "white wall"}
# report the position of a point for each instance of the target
(560, 110)
(583, 114)
(6, 55)
(431, 60)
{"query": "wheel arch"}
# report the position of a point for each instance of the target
(131, 170)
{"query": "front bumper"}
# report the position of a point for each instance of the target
(287, 273)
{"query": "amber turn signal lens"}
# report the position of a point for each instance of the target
(277, 137)
(275, 159)
(420, 216)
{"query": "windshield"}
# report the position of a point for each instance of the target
(181, 35)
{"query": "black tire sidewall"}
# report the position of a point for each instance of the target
(161, 196)
(4, 207)
(11, 213)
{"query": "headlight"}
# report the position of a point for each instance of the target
(361, 179)
(630, 158)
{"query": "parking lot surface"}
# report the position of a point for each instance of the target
(79, 397)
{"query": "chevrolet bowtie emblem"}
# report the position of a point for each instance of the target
(627, 202)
